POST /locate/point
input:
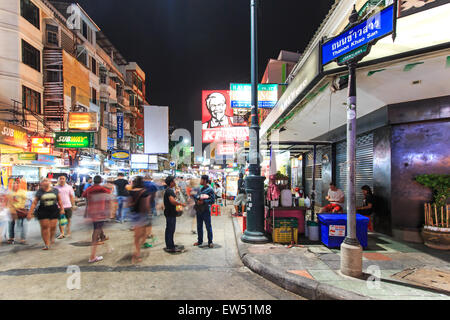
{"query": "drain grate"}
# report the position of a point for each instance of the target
(432, 278)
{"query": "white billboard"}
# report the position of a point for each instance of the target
(156, 129)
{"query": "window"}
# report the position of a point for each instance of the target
(93, 96)
(31, 56)
(31, 100)
(82, 56)
(84, 29)
(30, 12)
(93, 66)
(52, 76)
(52, 34)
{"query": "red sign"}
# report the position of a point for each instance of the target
(227, 149)
(219, 121)
(42, 145)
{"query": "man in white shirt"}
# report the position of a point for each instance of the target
(336, 198)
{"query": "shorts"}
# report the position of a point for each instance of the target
(46, 214)
(241, 199)
(141, 220)
(332, 207)
(67, 213)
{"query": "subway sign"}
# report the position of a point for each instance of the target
(366, 32)
(71, 140)
(13, 135)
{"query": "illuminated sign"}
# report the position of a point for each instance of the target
(241, 95)
(13, 135)
(28, 156)
(120, 155)
(44, 159)
(119, 125)
(42, 145)
(227, 149)
(83, 121)
(71, 140)
(221, 122)
(368, 31)
(139, 158)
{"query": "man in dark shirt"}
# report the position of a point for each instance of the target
(170, 212)
(122, 196)
(368, 205)
(203, 202)
(241, 197)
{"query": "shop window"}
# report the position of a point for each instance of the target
(31, 100)
(31, 56)
(30, 12)
(93, 96)
(94, 66)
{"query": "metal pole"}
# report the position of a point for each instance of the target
(313, 194)
(254, 182)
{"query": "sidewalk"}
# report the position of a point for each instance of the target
(405, 271)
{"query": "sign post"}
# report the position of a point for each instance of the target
(348, 49)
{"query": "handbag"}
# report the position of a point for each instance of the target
(22, 213)
(63, 221)
(179, 210)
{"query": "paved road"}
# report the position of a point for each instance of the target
(27, 272)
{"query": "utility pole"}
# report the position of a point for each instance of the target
(254, 182)
(351, 250)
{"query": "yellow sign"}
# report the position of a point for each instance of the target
(120, 155)
(83, 121)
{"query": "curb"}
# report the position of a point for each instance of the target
(307, 288)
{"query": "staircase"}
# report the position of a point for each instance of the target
(53, 89)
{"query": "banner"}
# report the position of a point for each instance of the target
(83, 121)
(156, 129)
(13, 135)
(119, 125)
(42, 145)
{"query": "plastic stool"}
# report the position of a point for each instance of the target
(215, 210)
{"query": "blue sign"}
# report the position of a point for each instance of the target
(44, 159)
(111, 143)
(119, 125)
(374, 28)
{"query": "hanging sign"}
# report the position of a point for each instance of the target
(42, 145)
(28, 156)
(119, 125)
(13, 135)
(120, 155)
(71, 140)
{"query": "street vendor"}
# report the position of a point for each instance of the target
(336, 198)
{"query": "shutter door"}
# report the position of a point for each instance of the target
(364, 165)
(308, 174)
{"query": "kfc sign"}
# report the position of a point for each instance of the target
(224, 149)
(226, 134)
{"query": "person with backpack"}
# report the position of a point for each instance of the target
(203, 202)
(241, 197)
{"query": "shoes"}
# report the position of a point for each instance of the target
(96, 259)
(211, 245)
(197, 244)
(147, 245)
(61, 236)
(173, 250)
(194, 232)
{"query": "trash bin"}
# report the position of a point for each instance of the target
(333, 229)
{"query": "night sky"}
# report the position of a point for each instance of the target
(186, 46)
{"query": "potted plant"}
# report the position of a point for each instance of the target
(436, 231)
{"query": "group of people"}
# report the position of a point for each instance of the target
(336, 199)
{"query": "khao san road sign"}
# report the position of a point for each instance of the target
(74, 140)
(361, 37)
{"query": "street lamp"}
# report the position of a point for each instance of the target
(254, 183)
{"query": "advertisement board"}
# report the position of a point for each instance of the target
(74, 140)
(241, 95)
(156, 129)
(139, 166)
(83, 121)
(219, 121)
(42, 145)
(232, 186)
(227, 149)
(120, 155)
(13, 135)
(119, 125)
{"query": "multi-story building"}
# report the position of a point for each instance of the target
(52, 65)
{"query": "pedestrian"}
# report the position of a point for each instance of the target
(203, 202)
(170, 212)
(48, 212)
(112, 187)
(17, 209)
(67, 196)
(141, 215)
(97, 210)
(367, 209)
(192, 190)
(152, 188)
(122, 196)
(4, 211)
(87, 184)
(241, 197)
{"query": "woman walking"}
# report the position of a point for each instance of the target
(16, 203)
(141, 215)
(50, 207)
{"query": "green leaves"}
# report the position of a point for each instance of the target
(439, 184)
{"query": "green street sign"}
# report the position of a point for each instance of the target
(71, 140)
(28, 156)
(352, 54)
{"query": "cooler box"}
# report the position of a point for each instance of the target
(333, 229)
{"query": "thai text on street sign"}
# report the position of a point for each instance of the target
(119, 125)
(379, 25)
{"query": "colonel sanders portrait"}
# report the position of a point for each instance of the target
(216, 104)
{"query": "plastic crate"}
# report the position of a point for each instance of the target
(286, 222)
(285, 235)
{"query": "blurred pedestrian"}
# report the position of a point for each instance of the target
(4, 211)
(67, 196)
(112, 187)
(17, 209)
(141, 215)
(97, 210)
(48, 212)
(203, 202)
(170, 212)
(241, 197)
(122, 196)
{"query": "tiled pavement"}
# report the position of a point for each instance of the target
(383, 258)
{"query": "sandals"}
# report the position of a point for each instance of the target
(96, 259)
(136, 259)
(61, 236)
(197, 244)
(147, 245)
(45, 248)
